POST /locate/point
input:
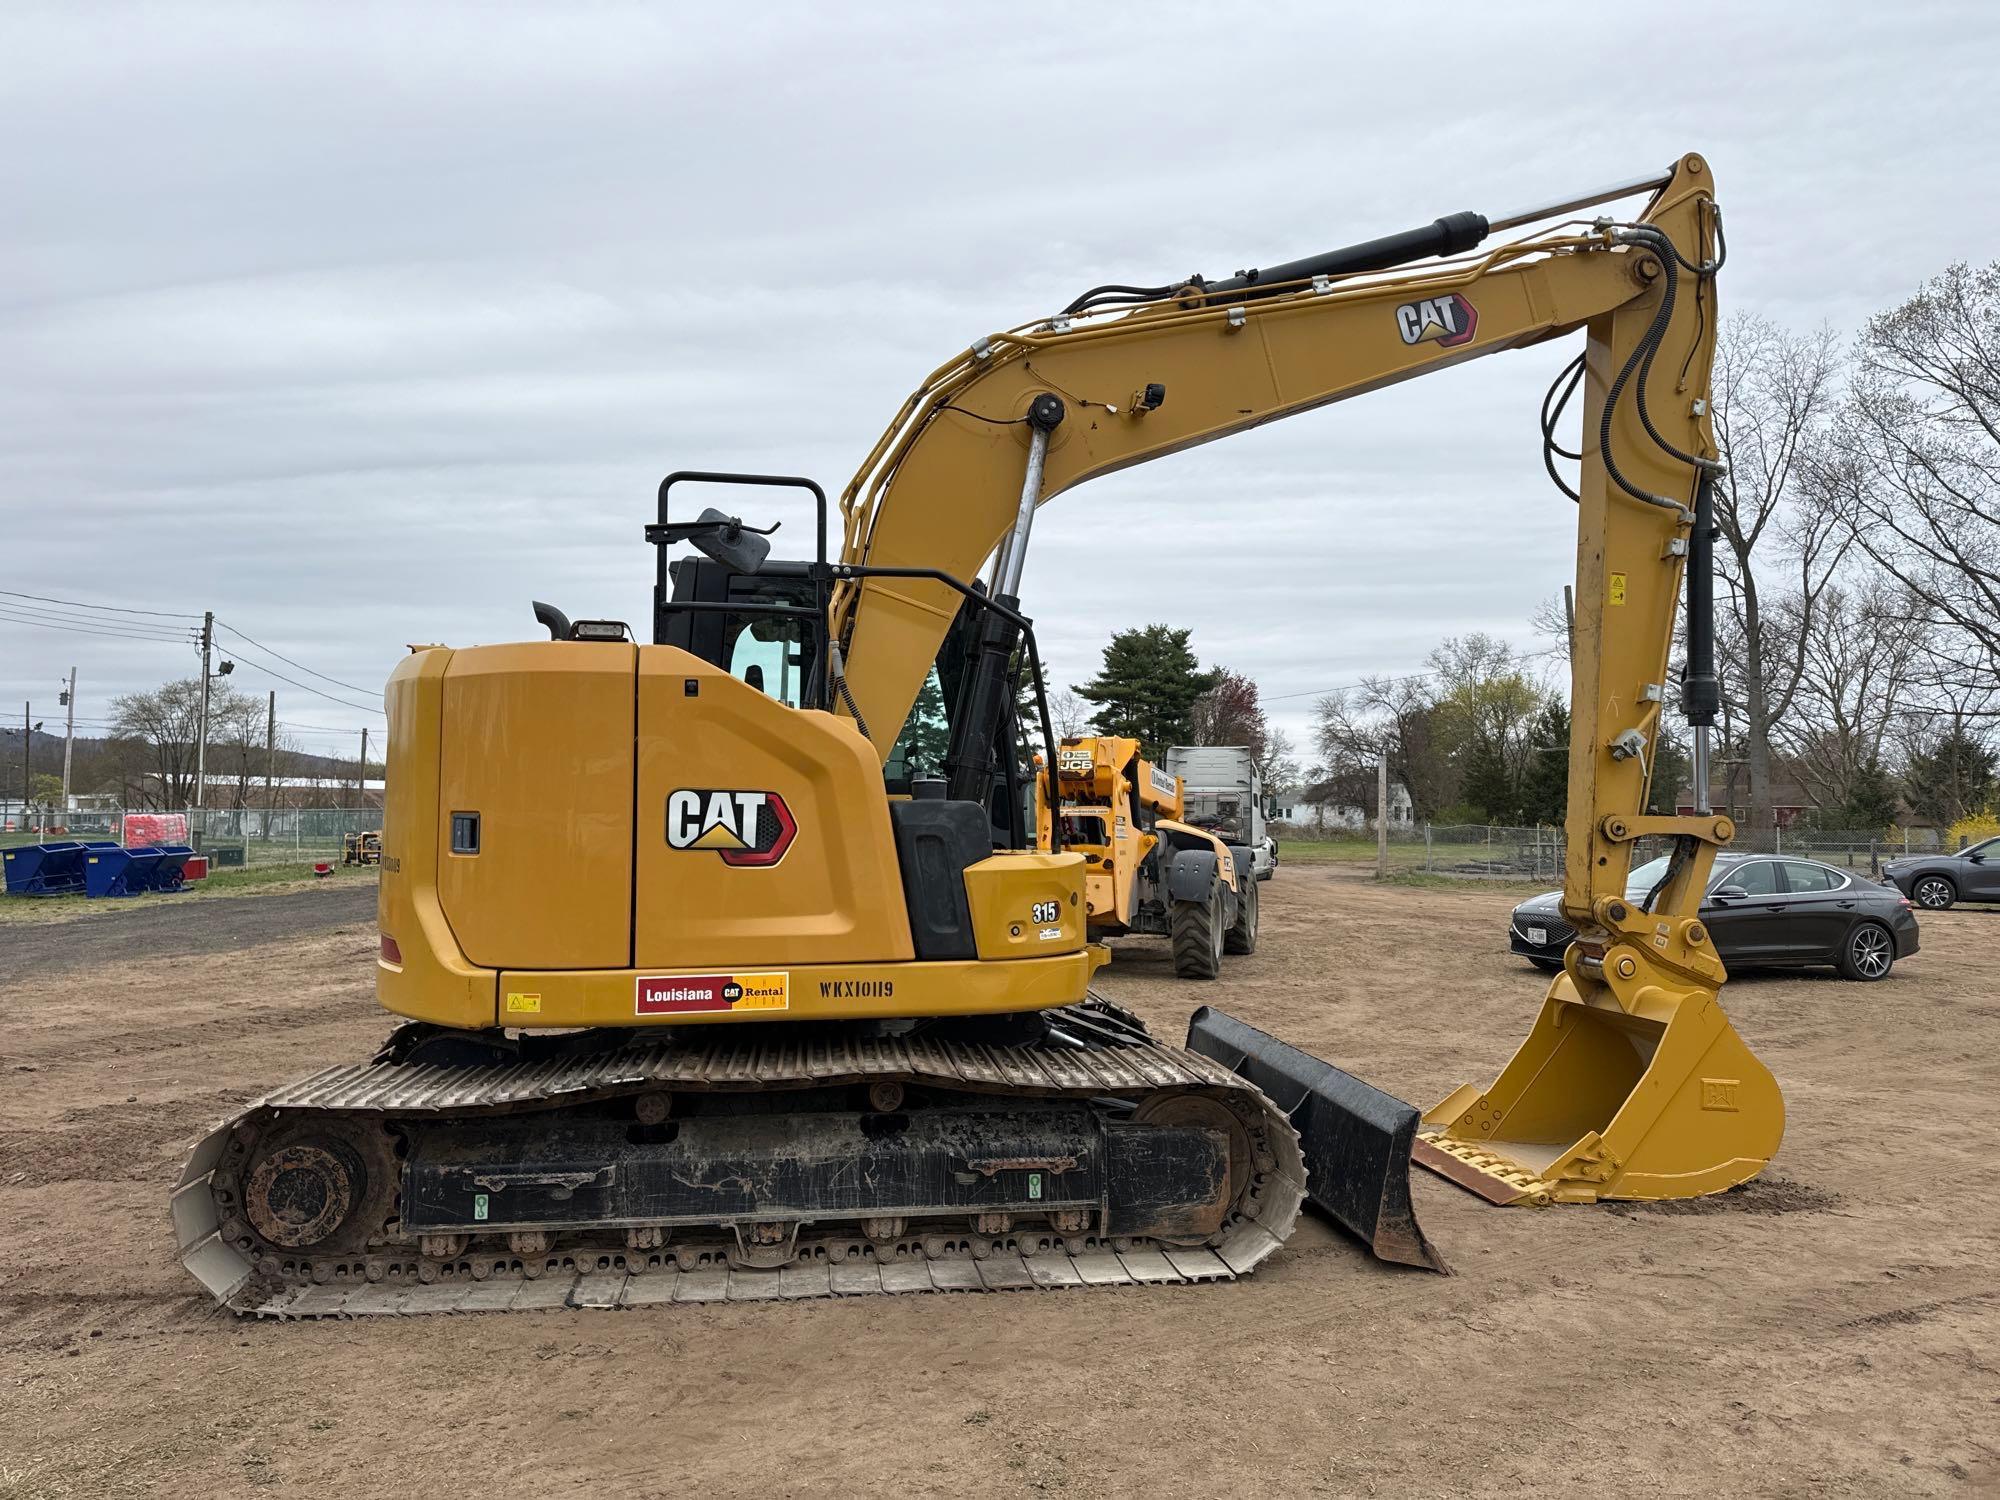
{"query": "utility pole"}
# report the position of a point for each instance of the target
(1382, 814)
(361, 780)
(69, 739)
(201, 750)
(27, 755)
(270, 758)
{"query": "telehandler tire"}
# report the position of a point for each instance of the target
(1242, 935)
(1196, 928)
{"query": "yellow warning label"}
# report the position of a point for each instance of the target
(524, 1004)
(1617, 588)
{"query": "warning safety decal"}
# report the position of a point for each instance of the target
(680, 994)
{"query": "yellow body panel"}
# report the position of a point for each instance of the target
(537, 742)
(1005, 893)
(835, 896)
(429, 978)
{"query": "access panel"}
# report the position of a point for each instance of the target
(535, 804)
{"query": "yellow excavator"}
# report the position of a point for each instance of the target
(726, 975)
(1146, 870)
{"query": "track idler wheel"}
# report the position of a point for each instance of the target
(318, 1187)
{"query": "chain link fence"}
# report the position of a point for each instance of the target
(232, 836)
(1491, 851)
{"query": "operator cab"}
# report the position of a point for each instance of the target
(765, 622)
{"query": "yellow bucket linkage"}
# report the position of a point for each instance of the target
(1632, 1084)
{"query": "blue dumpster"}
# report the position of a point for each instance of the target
(168, 874)
(54, 869)
(118, 872)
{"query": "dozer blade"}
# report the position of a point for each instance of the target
(1664, 1101)
(1356, 1139)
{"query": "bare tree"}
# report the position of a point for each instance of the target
(1398, 715)
(1774, 390)
(162, 730)
(1070, 712)
(1914, 473)
(1858, 652)
(1229, 714)
(1280, 763)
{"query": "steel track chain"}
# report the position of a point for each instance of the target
(1096, 1050)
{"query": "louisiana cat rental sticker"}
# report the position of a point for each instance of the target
(683, 994)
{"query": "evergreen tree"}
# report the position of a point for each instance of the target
(1545, 783)
(927, 731)
(1147, 688)
(1671, 771)
(1873, 800)
(1952, 778)
(1488, 786)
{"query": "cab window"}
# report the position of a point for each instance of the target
(768, 655)
(1803, 878)
(919, 750)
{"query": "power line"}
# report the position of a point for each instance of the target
(1346, 687)
(77, 617)
(115, 608)
(110, 632)
(306, 687)
(290, 663)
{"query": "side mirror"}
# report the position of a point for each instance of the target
(1730, 893)
(740, 548)
(1976, 859)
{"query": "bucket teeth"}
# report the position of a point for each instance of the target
(1493, 1177)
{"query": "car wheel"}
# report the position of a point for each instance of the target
(1868, 954)
(1934, 893)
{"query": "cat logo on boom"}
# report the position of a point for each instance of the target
(748, 829)
(1445, 321)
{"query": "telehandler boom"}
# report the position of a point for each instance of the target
(723, 965)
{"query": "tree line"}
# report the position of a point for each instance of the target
(1858, 596)
(148, 758)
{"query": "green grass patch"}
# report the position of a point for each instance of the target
(1324, 851)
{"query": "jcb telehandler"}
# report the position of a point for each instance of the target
(693, 990)
(1145, 870)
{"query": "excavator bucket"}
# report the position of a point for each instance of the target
(1663, 1100)
(1355, 1138)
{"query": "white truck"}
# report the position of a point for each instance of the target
(1224, 791)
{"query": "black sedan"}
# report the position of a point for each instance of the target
(1936, 881)
(1762, 909)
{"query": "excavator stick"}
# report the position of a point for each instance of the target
(1355, 1138)
(1659, 1100)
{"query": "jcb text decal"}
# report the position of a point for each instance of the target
(1445, 321)
(746, 828)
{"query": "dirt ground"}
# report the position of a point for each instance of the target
(1829, 1331)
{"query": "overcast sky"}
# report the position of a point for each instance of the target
(364, 325)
